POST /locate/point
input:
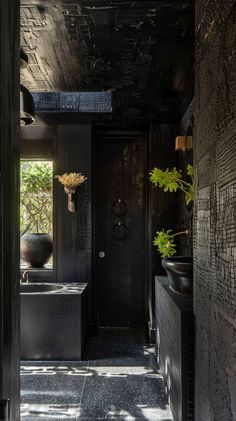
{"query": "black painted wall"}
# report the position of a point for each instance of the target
(70, 145)
(9, 203)
(215, 211)
(163, 210)
(70, 148)
(74, 230)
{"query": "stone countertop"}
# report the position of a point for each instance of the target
(72, 288)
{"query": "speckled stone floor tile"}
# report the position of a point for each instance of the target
(118, 381)
(52, 383)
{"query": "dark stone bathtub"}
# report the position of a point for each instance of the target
(53, 321)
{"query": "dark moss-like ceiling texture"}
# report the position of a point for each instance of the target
(141, 50)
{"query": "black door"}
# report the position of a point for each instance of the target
(120, 261)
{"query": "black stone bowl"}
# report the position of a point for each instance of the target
(36, 249)
(180, 273)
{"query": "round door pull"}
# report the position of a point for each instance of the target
(101, 254)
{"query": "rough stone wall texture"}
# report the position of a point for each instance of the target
(215, 210)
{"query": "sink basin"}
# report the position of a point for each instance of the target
(180, 273)
(37, 288)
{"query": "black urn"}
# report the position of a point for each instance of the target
(36, 249)
(180, 273)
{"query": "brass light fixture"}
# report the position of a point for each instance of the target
(183, 142)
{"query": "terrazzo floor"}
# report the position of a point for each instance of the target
(118, 380)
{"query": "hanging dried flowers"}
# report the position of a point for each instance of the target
(71, 181)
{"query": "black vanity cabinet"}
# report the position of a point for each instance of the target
(54, 321)
(175, 348)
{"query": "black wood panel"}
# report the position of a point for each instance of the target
(120, 276)
(9, 203)
(162, 206)
(37, 142)
(73, 230)
(70, 148)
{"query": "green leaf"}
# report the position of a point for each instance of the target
(168, 179)
(189, 195)
(190, 170)
(171, 180)
(164, 241)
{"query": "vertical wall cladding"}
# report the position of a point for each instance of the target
(9, 215)
(162, 206)
(215, 211)
(163, 212)
(74, 230)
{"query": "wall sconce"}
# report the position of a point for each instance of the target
(183, 142)
(70, 182)
(70, 198)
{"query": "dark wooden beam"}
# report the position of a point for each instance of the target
(9, 202)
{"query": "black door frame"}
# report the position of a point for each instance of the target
(117, 132)
(9, 199)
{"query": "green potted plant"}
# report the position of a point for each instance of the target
(179, 268)
(171, 180)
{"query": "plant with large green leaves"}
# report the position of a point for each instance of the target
(171, 180)
(164, 241)
(36, 201)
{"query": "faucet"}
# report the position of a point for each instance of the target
(25, 277)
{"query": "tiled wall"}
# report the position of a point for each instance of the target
(215, 211)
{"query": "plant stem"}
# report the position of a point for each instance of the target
(181, 232)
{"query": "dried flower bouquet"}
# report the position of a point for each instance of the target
(71, 181)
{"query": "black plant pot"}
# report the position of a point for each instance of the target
(180, 273)
(36, 249)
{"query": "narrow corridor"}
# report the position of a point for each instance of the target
(118, 380)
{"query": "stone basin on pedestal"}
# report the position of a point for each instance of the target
(180, 273)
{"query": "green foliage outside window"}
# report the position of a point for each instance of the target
(36, 201)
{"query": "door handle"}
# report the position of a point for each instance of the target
(101, 254)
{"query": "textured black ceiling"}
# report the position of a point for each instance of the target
(142, 50)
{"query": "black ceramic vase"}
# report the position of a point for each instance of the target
(180, 273)
(36, 249)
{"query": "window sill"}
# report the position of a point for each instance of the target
(38, 274)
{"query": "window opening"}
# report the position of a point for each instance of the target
(36, 205)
